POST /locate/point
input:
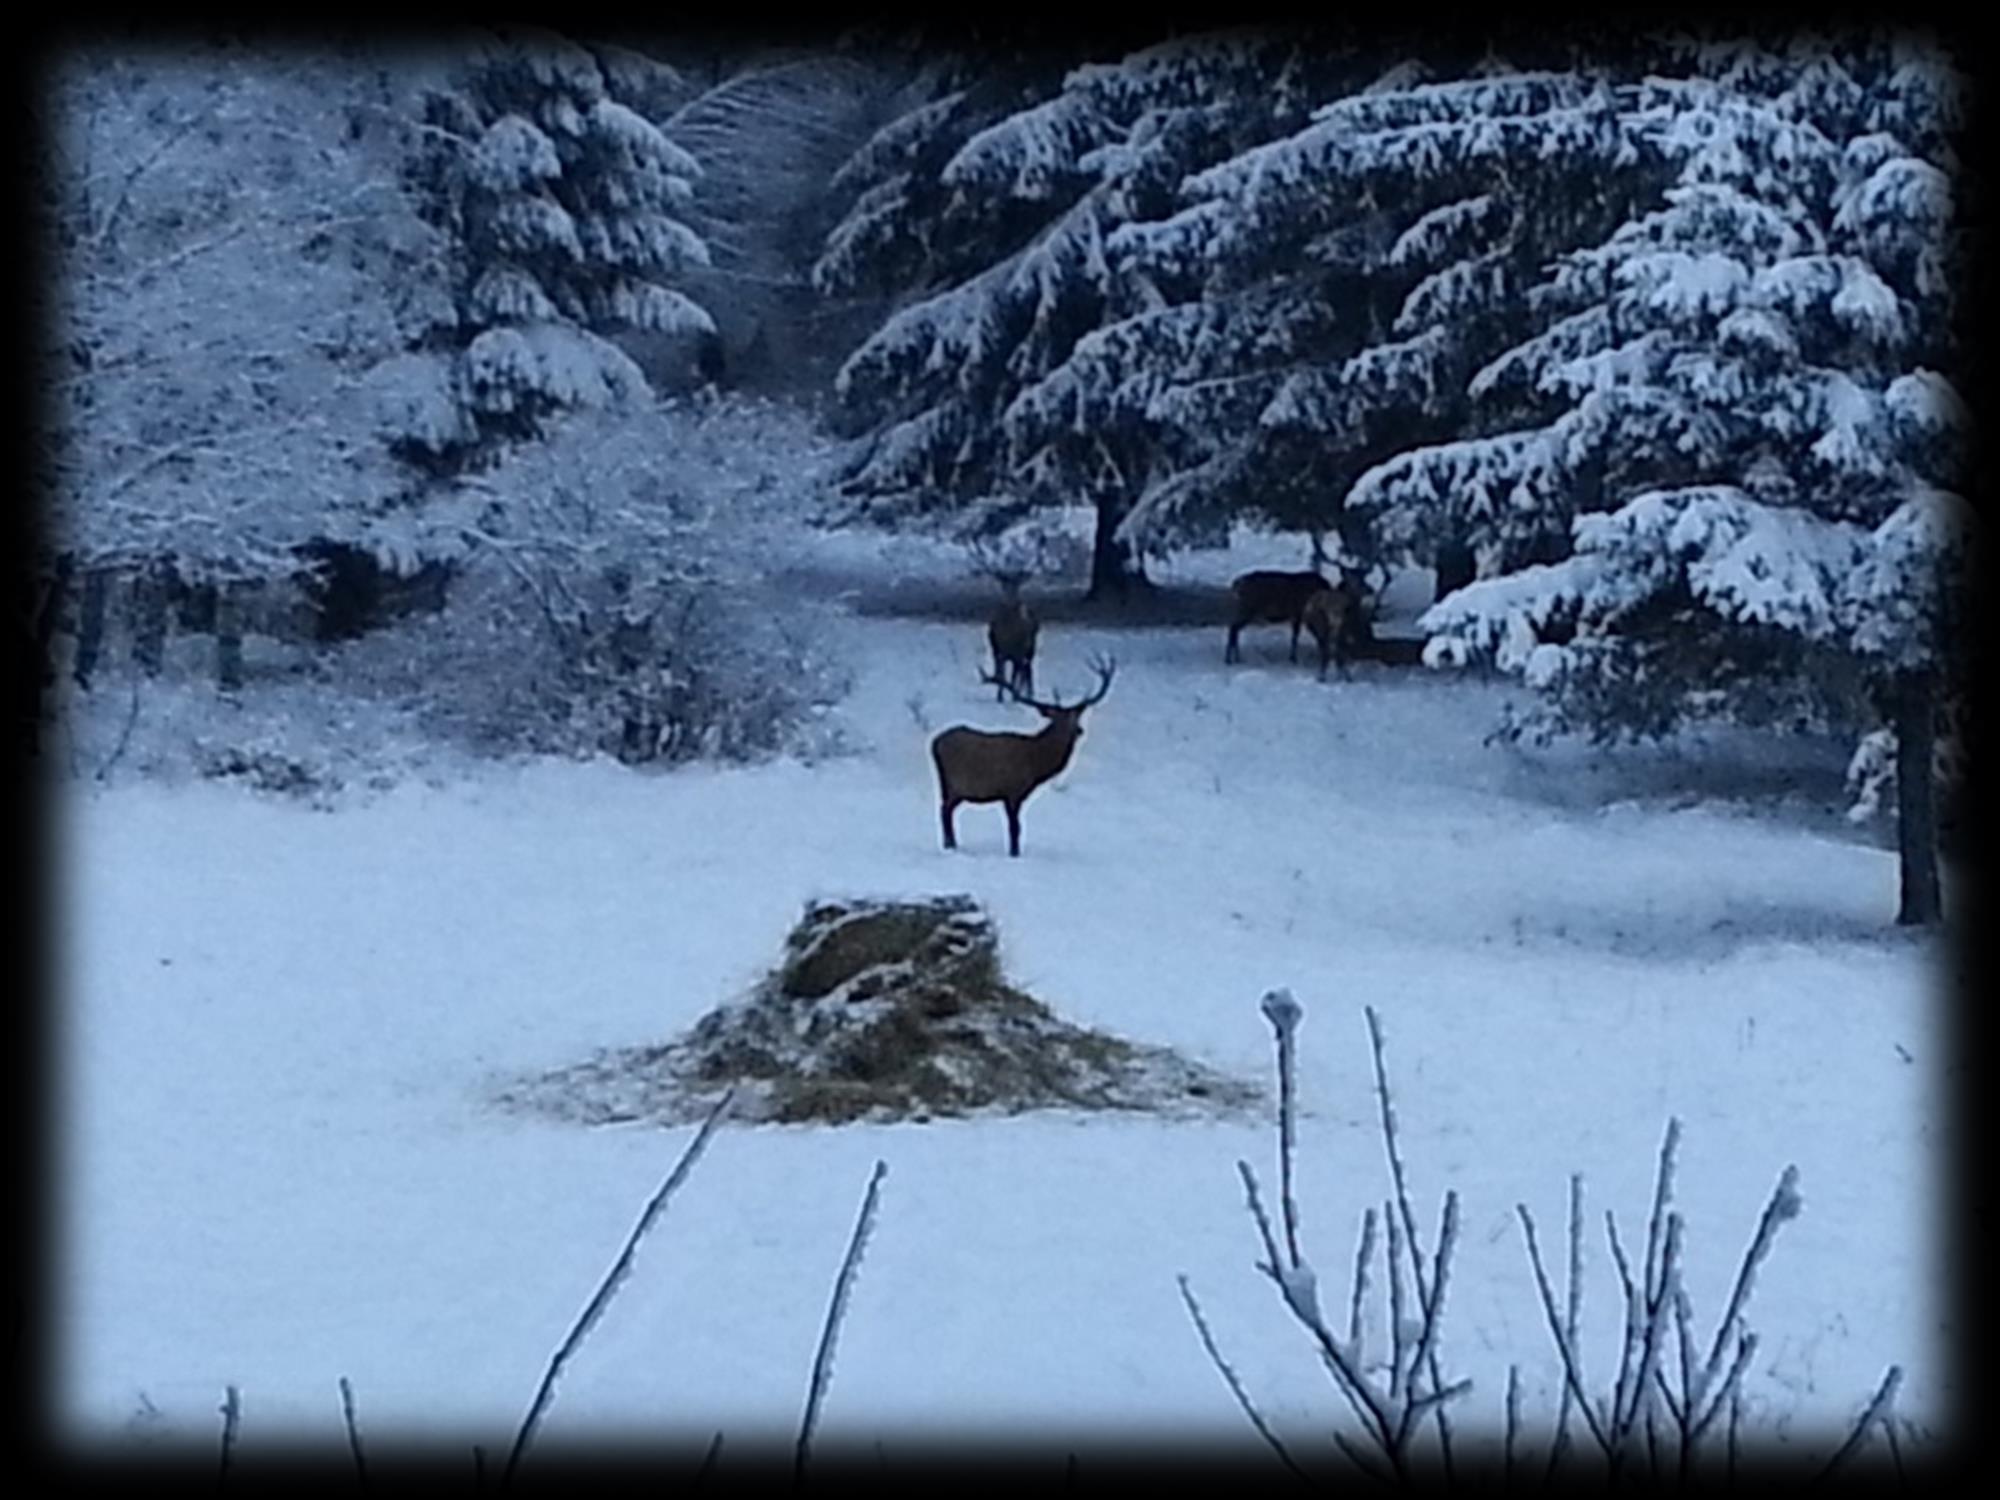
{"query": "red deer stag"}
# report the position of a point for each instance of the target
(974, 765)
(1269, 598)
(1011, 633)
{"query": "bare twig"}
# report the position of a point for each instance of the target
(232, 1415)
(1877, 1411)
(1284, 1014)
(1362, 1256)
(608, 1288)
(1895, 1446)
(1674, 1409)
(1643, 1394)
(708, 1458)
(1746, 1348)
(124, 734)
(1434, 1313)
(843, 1284)
(1572, 1317)
(1263, 1223)
(1735, 1420)
(1684, 1331)
(1784, 1205)
(1360, 1395)
(1663, 1231)
(1389, 1140)
(1426, 1286)
(1656, 1226)
(1235, 1385)
(1430, 1399)
(1355, 1454)
(1396, 1315)
(1564, 1345)
(353, 1431)
(1632, 1321)
(1513, 1423)
(1651, 1408)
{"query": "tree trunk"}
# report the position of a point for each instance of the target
(1113, 568)
(632, 654)
(1916, 811)
(90, 624)
(229, 637)
(1455, 567)
(38, 671)
(149, 619)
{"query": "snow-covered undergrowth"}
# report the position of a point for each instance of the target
(276, 1025)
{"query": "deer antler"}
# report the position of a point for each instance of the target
(1016, 694)
(1004, 684)
(1106, 667)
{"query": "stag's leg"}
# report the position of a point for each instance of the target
(945, 809)
(1231, 653)
(1002, 672)
(1028, 676)
(1297, 621)
(1014, 829)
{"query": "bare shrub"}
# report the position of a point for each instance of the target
(1661, 1421)
(615, 598)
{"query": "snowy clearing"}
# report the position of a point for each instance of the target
(277, 1023)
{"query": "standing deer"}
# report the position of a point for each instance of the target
(976, 765)
(1330, 613)
(1270, 598)
(1011, 633)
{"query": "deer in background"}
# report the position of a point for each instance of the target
(1330, 614)
(977, 765)
(1011, 633)
(1302, 600)
(1012, 628)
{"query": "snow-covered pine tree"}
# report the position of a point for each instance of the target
(1757, 426)
(1180, 359)
(1371, 260)
(914, 244)
(1005, 225)
(563, 206)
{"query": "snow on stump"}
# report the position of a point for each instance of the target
(882, 1010)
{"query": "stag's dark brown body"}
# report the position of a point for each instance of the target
(1011, 634)
(979, 765)
(1302, 600)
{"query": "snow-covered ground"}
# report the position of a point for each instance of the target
(277, 1022)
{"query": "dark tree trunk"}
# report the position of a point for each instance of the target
(90, 615)
(632, 651)
(1916, 811)
(229, 637)
(38, 671)
(1114, 570)
(1455, 567)
(194, 607)
(151, 598)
